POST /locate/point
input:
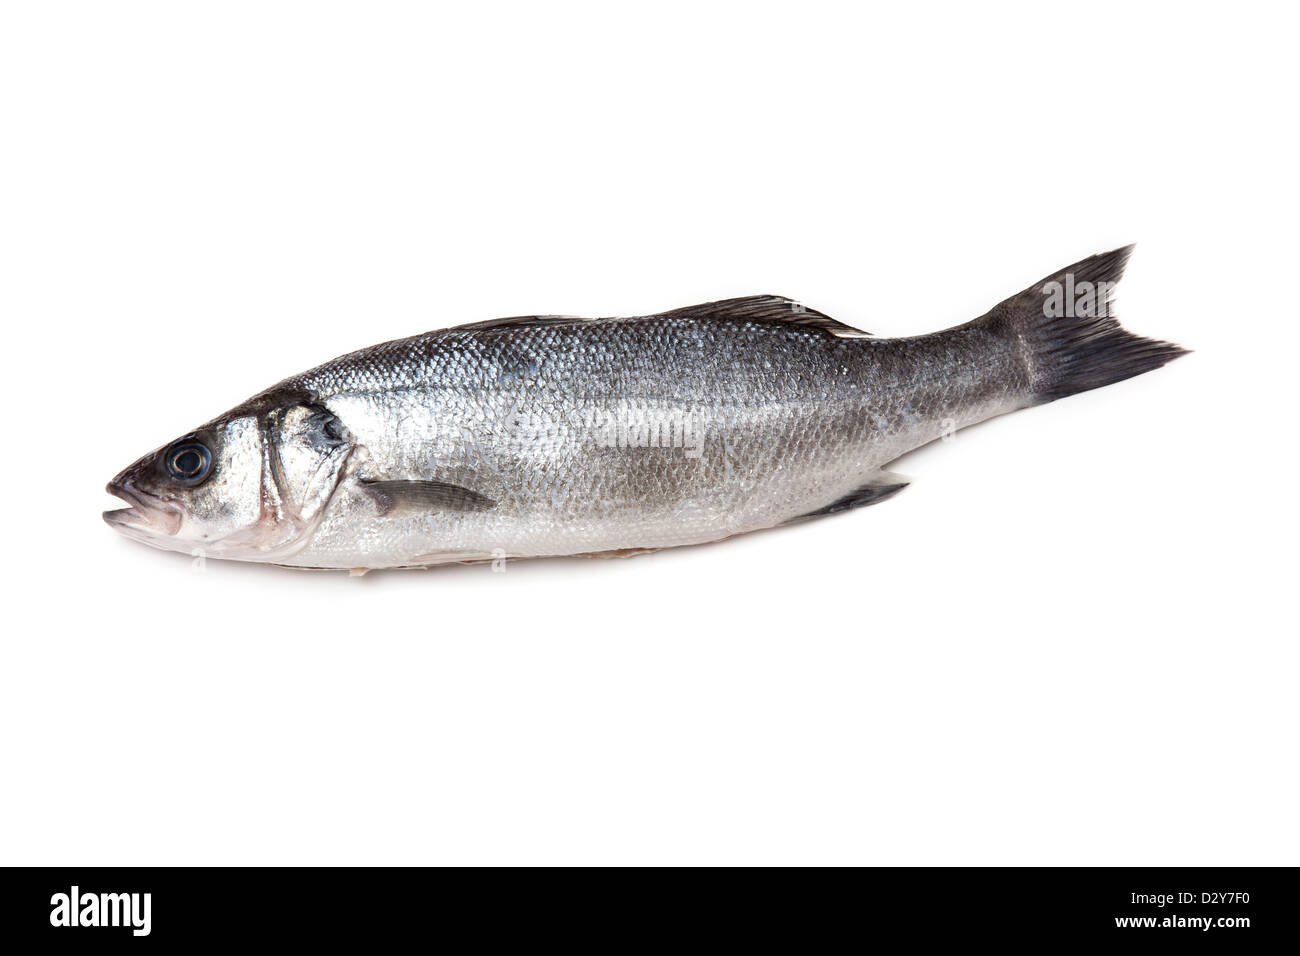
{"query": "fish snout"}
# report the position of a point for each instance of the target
(145, 513)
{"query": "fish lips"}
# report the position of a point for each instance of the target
(147, 513)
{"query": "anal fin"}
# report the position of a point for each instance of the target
(883, 485)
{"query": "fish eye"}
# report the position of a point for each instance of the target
(189, 462)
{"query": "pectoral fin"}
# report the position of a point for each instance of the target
(401, 498)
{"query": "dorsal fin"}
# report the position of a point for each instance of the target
(523, 321)
(769, 308)
(750, 308)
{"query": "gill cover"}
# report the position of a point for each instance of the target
(304, 452)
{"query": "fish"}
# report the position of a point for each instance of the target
(538, 436)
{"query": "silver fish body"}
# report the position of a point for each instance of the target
(561, 436)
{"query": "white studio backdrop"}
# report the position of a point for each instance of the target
(1071, 640)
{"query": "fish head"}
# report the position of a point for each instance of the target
(251, 485)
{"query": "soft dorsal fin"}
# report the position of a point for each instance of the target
(750, 308)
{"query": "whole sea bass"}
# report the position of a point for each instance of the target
(554, 435)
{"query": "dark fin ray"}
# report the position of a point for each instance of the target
(752, 308)
(397, 498)
(882, 486)
(1071, 341)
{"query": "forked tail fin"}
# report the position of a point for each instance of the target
(1069, 339)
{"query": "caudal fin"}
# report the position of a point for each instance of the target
(1071, 342)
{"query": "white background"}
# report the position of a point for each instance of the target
(1071, 640)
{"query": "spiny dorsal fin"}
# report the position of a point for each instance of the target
(524, 321)
(750, 308)
(769, 308)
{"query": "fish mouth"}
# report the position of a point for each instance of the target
(147, 513)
